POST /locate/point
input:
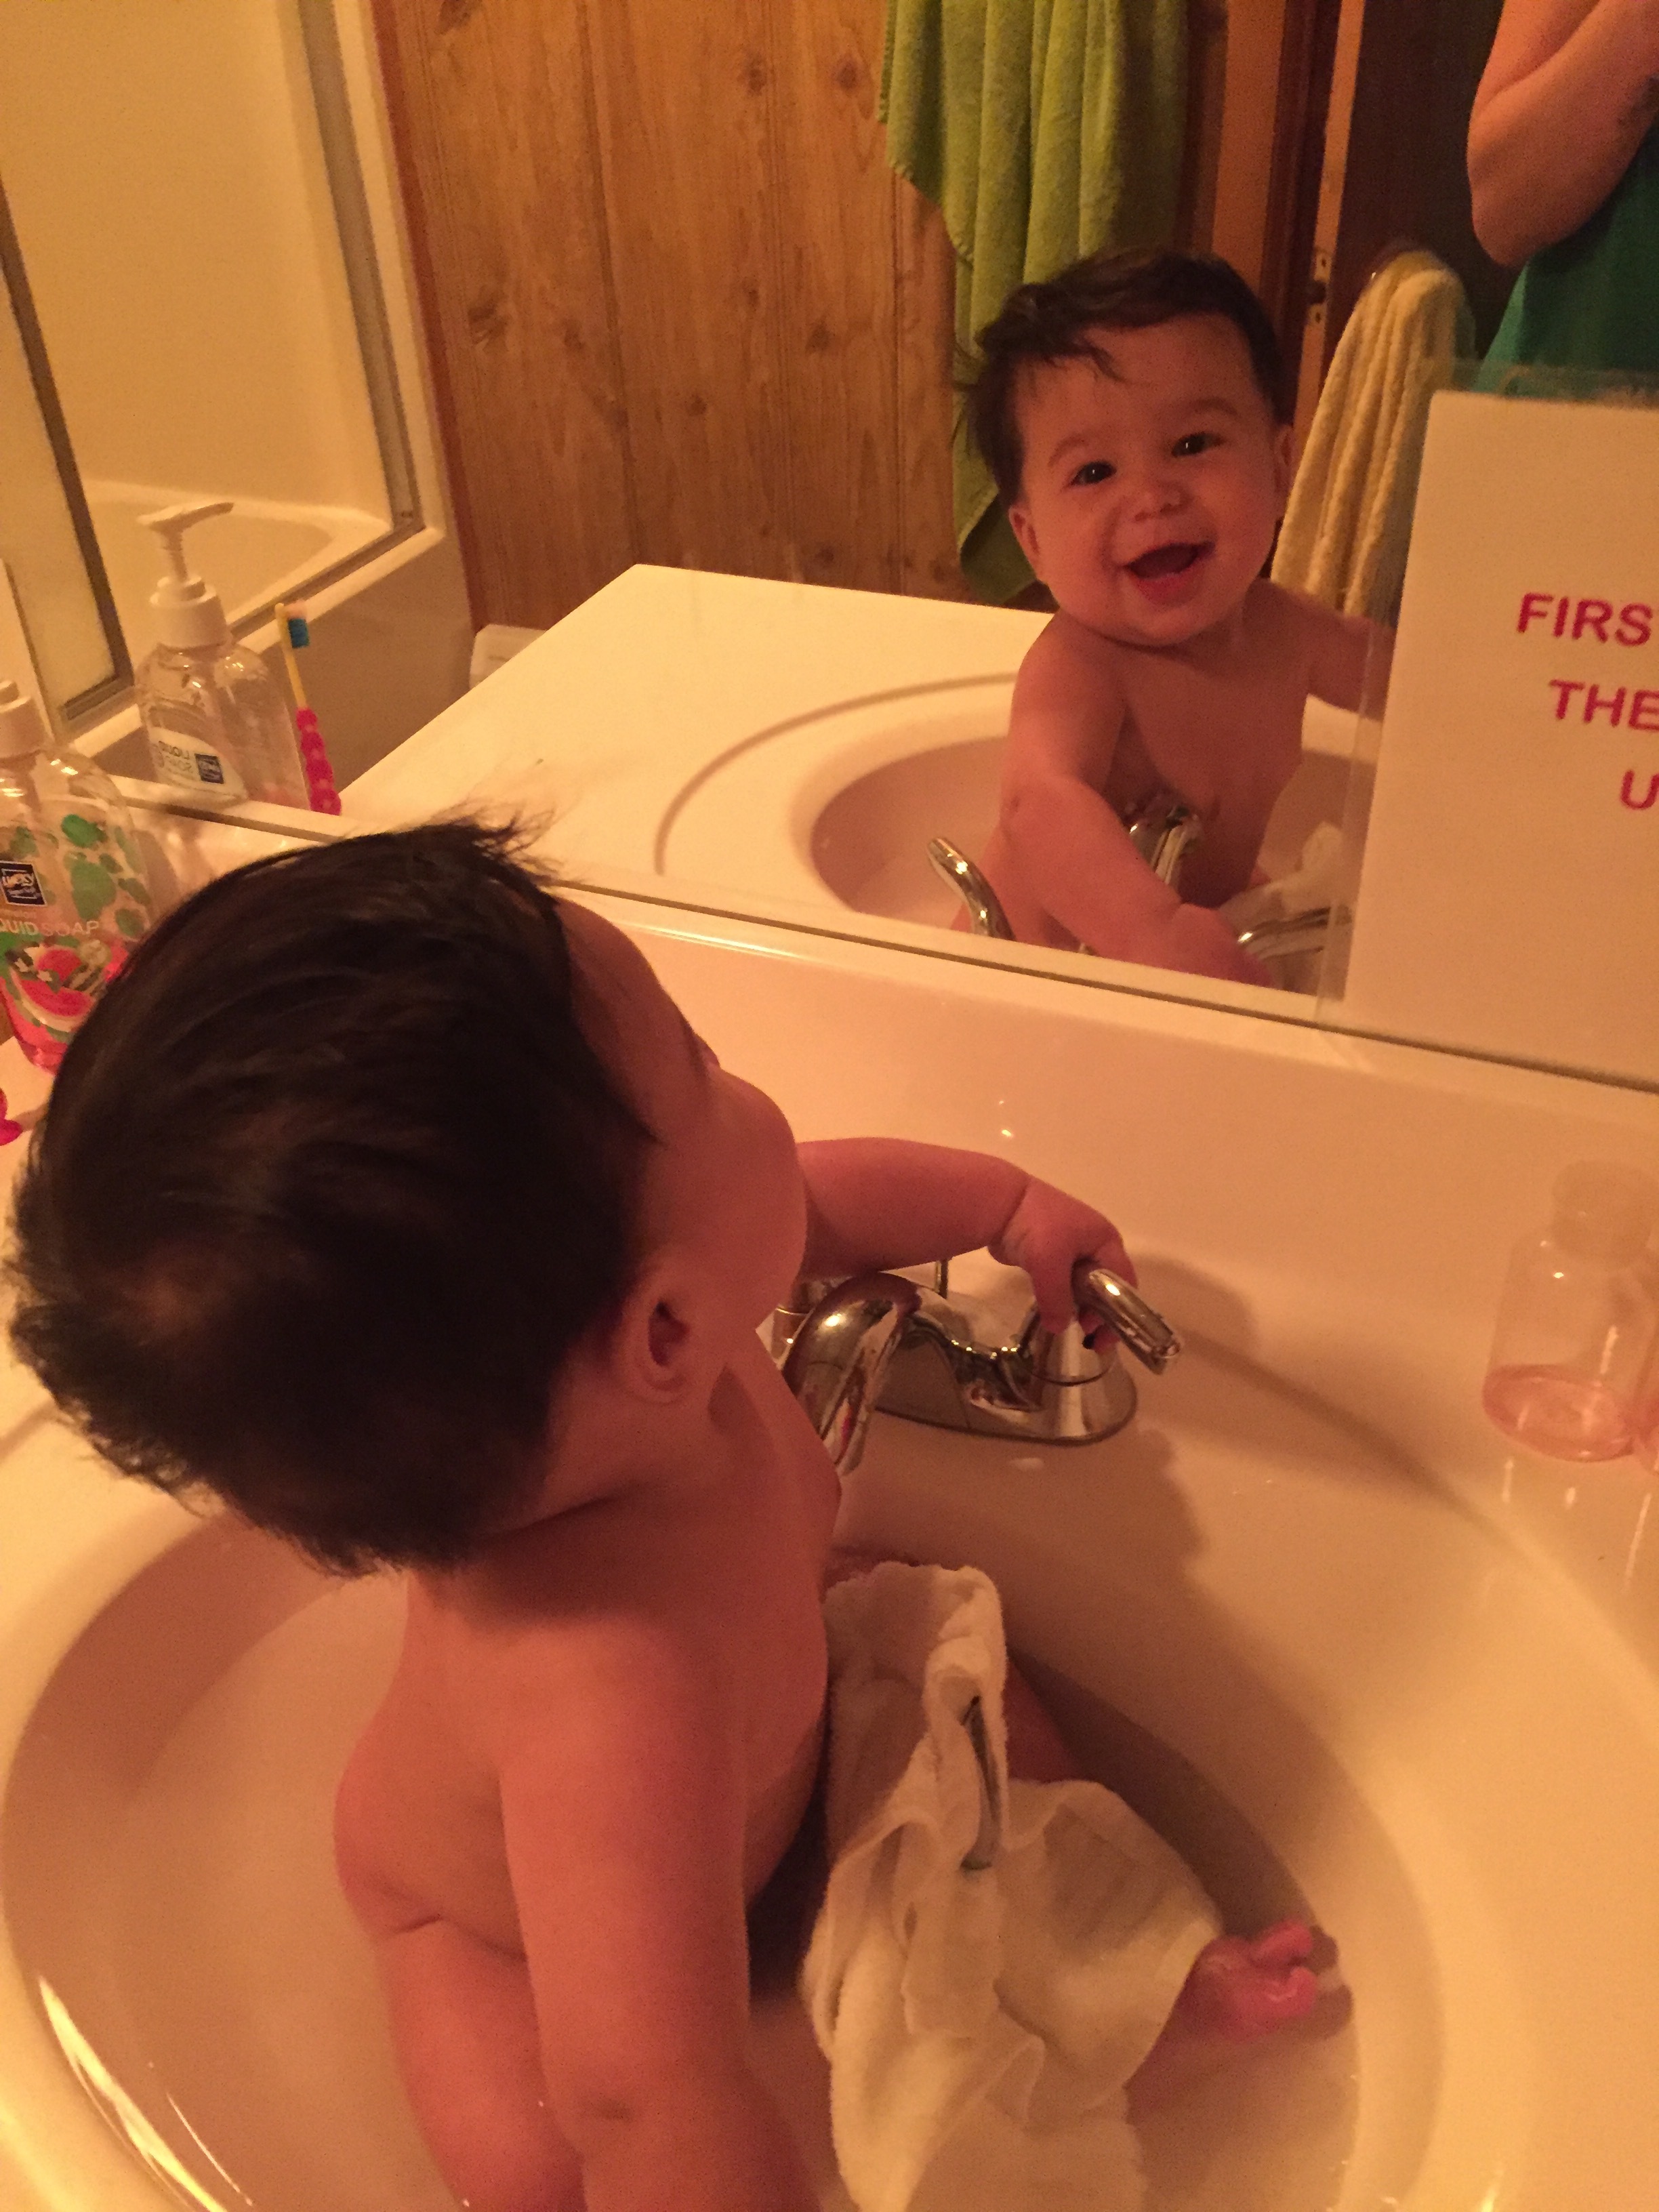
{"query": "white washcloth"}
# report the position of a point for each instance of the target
(979, 2025)
(1318, 878)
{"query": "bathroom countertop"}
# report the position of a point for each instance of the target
(684, 734)
(574, 725)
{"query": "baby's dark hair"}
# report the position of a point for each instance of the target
(330, 1182)
(1063, 319)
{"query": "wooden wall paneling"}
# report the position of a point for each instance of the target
(1254, 40)
(831, 204)
(682, 95)
(925, 397)
(494, 120)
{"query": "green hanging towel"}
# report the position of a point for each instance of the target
(1043, 129)
(1591, 301)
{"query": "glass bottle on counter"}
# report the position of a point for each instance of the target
(1577, 1319)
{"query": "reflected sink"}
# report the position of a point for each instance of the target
(1333, 1691)
(837, 806)
(869, 844)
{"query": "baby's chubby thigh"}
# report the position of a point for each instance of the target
(1036, 1750)
(463, 2026)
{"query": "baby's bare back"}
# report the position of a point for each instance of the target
(726, 1570)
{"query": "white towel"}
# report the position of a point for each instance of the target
(1348, 525)
(979, 2025)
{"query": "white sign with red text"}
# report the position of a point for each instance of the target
(1509, 897)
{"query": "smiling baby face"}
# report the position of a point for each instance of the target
(1151, 487)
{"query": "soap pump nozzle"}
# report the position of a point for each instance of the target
(22, 726)
(188, 613)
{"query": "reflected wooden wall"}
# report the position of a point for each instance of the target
(681, 310)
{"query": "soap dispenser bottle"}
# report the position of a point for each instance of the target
(73, 893)
(217, 723)
(1578, 1319)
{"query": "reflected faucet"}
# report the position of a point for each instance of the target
(880, 1340)
(985, 914)
(1162, 832)
(1283, 934)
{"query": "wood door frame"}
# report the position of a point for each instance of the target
(1302, 114)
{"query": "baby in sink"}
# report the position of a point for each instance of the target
(1131, 411)
(387, 1195)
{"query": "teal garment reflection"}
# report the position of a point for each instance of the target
(1592, 301)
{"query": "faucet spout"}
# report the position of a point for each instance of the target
(839, 1357)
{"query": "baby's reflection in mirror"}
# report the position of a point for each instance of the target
(1133, 411)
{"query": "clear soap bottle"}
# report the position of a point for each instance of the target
(1578, 1319)
(73, 897)
(217, 722)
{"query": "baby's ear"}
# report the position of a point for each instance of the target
(664, 1343)
(1019, 521)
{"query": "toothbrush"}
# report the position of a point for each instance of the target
(293, 630)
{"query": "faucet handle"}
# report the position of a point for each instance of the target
(1143, 1330)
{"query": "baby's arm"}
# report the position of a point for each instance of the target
(1339, 648)
(623, 1815)
(883, 1202)
(1072, 851)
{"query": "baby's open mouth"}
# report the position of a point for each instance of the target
(1166, 560)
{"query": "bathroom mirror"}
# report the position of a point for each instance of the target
(188, 257)
(712, 732)
(1487, 882)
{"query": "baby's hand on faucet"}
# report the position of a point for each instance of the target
(1046, 1234)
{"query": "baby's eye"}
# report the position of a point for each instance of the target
(1094, 472)
(1195, 441)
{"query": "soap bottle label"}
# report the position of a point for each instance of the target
(55, 958)
(20, 885)
(184, 759)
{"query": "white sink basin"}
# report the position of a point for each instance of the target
(1335, 1692)
(1333, 1637)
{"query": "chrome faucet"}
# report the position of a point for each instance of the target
(880, 1340)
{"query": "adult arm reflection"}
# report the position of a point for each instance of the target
(1570, 90)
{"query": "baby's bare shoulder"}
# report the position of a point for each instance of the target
(566, 1610)
(1068, 654)
(1333, 647)
(1070, 692)
(1274, 614)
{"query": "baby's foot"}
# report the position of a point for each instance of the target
(1243, 1987)
(1240, 1989)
